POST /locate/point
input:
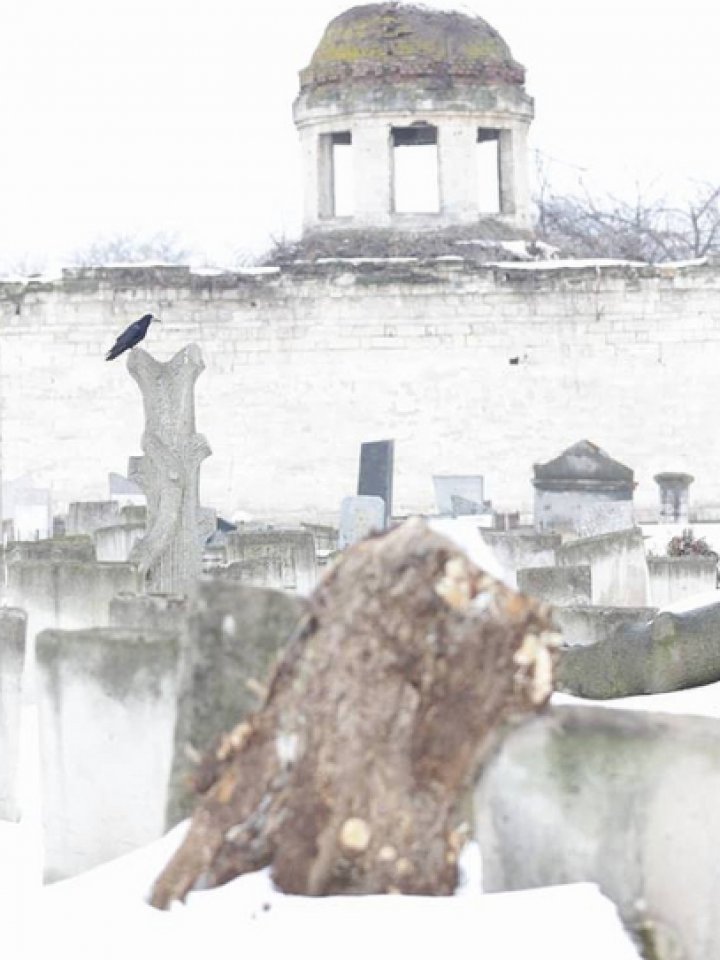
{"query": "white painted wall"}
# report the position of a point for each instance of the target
(302, 366)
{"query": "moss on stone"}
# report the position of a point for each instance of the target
(390, 36)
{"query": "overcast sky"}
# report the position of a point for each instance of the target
(144, 115)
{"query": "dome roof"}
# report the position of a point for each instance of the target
(388, 42)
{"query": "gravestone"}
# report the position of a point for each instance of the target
(27, 509)
(467, 488)
(674, 489)
(12, 654)
(559, 586)
(625, 799)
(359, 517)
(234, 635)
(376, 473)
(583, 492)
(114, 544)
(87, 516)
(107, 700)
(281, 559)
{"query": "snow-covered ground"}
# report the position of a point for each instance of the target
(103, 913)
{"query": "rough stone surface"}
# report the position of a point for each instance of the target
(586, 625)
(88, 516)
(625, 799)
(618, 567)
(234, 635)
(78, 548)
(419, 345)
(672, 578)
(560, 586)
(519, 549)
(170, 553)
(150, 611)
(67, 594)
(107, 709)
(359, 517)
(281, 559)
(114, 544)
(670, 652)
(12, 656)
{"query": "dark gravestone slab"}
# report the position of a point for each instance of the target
(376, 472)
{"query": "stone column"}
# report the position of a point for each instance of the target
(170, 554)
(373, 178)
(674, 496)
(457, 147)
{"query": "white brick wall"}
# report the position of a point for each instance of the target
(303, 366)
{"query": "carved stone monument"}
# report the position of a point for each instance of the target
(170, 554)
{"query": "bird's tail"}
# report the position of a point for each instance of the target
(110, 355)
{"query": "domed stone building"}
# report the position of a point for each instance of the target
(413, 120)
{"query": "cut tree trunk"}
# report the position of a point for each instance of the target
(388, 698)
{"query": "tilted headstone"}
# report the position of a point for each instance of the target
(447, 486)
(359, 517)
(107, 709)
(170, 554)
(376, 472)
(12, 655)
(234, 635)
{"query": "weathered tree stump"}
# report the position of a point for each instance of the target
(170, 554)
(387, 699)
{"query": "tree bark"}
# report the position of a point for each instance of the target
(388, 698)
(170, 554)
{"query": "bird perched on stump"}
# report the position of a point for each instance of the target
(132, 336)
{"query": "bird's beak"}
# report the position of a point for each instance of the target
(157, 320)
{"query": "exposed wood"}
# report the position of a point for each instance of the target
(386, 701)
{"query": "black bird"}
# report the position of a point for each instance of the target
(132, 336)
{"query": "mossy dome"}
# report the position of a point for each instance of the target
(391, 42)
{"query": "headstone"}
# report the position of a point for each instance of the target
(106, 711)
(585, 625)
(12, 654)
(521, 548)
(28, 509)
(85, 517)
(469, 487)
(619, 569)
(149, 611)
(359, 517)
(674, 489)
(125, 491)
(376, 473)
(559, 586)
(234, 635)
(623, 799)
(80, 549)
(583, 492)
(114, 544)
(280, 559)
(672, 578)
(672, 651)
